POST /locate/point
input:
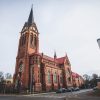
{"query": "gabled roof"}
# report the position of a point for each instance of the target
(60, 60)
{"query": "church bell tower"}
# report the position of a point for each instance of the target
(28, 44)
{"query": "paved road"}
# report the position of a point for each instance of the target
(49, 96)
(60, 95)
(27, 98)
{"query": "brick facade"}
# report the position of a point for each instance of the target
(36, 71)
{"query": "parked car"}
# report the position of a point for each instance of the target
(70, 89)
(61, 90)
(76, 89)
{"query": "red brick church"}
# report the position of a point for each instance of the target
(36, 71)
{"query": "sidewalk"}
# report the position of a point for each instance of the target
(42, 93)
(27, 94)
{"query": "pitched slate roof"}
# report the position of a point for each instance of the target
(60, 60)
(48, 58)
(57, 60)
(31, 18)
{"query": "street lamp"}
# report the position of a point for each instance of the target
(98, 41)
(98, 79)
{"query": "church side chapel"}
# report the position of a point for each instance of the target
(35, 71)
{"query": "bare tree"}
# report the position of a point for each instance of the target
(86, 77)
(1, 76)
(1, 81)
(8, 76)
(94, 80)
(94, 76)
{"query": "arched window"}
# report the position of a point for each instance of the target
(55, 77)
(23, 40)
(49, 80)
(35, 40)
(68, 70)
(61, 78)
(21, 67)
(69, 79)
(31, 39)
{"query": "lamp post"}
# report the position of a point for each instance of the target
(98, 79)
(98, 41)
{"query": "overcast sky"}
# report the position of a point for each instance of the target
(65, 26)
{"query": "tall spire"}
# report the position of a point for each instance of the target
(55, 56)
(31, 18)
(65, 54)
